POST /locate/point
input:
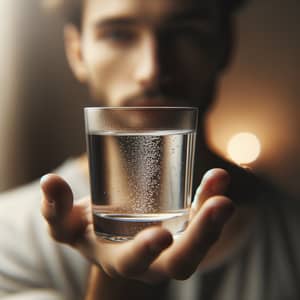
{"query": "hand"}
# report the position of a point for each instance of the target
(152, 256)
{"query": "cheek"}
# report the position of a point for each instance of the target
(103, 66)
(108, 73)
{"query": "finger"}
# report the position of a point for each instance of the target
(57, 198)
(65, 222)
(204, 230)
(214, 182)
(133, 258)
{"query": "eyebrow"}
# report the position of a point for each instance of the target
(173, 18)
(116, 21)
(189, 15)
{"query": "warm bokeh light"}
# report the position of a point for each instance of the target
(244, 148)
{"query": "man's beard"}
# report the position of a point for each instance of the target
(173, 97)
(165, 97)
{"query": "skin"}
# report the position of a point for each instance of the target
(147, 52)
(135, 53)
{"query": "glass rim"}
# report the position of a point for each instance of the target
(89, 108)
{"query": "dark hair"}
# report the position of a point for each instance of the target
(231, 6)
(73, 9)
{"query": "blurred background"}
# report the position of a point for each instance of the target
(39, 99)
(261, 91)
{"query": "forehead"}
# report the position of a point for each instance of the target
(154, 11)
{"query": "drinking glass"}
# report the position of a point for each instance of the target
(141, 168)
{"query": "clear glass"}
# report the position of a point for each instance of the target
(141, 168)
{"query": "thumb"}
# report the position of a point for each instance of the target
(67, 223)
(57, 198)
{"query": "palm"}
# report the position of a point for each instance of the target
(152, 255)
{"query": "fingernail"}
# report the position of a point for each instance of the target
(220, 216)
(198, 190)
(44, 178)
(196, 197)
(46, 196)
(208, 174)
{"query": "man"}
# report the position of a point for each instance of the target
(144, 53)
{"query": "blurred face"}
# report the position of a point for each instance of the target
(149, 52)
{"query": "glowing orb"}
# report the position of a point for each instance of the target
(244, 148)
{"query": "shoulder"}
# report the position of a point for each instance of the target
(30, 193)
(245, 187)
(17, 203)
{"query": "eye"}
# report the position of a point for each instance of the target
(119, 35)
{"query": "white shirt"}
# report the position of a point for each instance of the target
(264, 266)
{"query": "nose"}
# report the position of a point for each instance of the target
(147, 70)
